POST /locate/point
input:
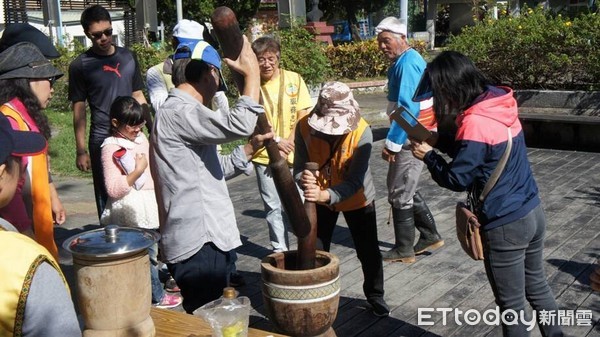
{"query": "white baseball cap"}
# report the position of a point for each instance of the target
(391, 24)
(188, 30)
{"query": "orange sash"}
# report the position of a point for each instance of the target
(43, 223)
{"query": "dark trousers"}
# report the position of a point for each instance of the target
(98, 177)
(515, 268)
(363, 227)
(203, 276)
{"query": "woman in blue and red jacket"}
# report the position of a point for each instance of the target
(512, 217)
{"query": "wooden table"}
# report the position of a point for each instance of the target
(170, 323)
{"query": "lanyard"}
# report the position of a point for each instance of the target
(266, 97)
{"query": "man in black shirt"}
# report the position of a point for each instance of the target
(98, 76)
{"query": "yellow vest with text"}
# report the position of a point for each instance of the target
(20, 257)
(319, 151)
(282, 97)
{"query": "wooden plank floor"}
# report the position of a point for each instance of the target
(569, 183)
(570, 188)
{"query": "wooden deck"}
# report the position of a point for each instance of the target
(570, 188)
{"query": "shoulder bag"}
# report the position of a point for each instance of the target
(467, 224)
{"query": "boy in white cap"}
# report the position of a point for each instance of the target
(158, 77)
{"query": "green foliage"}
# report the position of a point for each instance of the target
(357, 60)
(537, 50)
(62, 144)
(201, 10)
(302, 54)
(345, 8)
(149, 56)
(420, 46)
(362, 59)
(60, 98)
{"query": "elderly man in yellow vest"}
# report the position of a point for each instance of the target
(336, 137)
(286, 99)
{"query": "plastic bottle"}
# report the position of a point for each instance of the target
(228, 316)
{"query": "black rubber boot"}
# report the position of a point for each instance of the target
(429, 238)
(404, 232)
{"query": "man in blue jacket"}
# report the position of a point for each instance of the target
(409, 209)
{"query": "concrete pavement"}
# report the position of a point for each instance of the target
(568, 183)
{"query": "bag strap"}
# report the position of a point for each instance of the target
(498, 170)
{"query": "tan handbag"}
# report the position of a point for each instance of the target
(467, 230)
(467, 224)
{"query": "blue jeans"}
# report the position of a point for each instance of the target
(277, 219)
(515, 268)
(203, 276)
(157, 289)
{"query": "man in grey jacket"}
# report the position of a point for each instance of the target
(197, 220)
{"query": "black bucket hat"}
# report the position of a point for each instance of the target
(24, 32)
(25, 60)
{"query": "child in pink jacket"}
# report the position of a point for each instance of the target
(131, 200)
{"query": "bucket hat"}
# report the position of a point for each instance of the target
(201, 51)
(24, 32)
(18, 143)
(25, 60)
(337, 112)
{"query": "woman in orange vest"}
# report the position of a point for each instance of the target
(336, 137)
(26, 79)
(32, 284)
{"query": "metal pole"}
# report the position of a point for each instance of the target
(179, 10)
(59, 34)
(161, 29)
(404, 12)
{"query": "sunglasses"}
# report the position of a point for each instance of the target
(98, 35)
(52, 80)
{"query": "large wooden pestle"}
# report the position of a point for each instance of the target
(308, 244)
(230, 38)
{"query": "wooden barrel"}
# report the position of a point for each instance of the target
(301, 302)
(114, 296)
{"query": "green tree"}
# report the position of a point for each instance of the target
(201, 10)
(350, 9)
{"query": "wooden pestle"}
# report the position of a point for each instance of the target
(308, 244)
(230, 38)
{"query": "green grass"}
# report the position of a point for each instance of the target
(228, 147)
(62, 145)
